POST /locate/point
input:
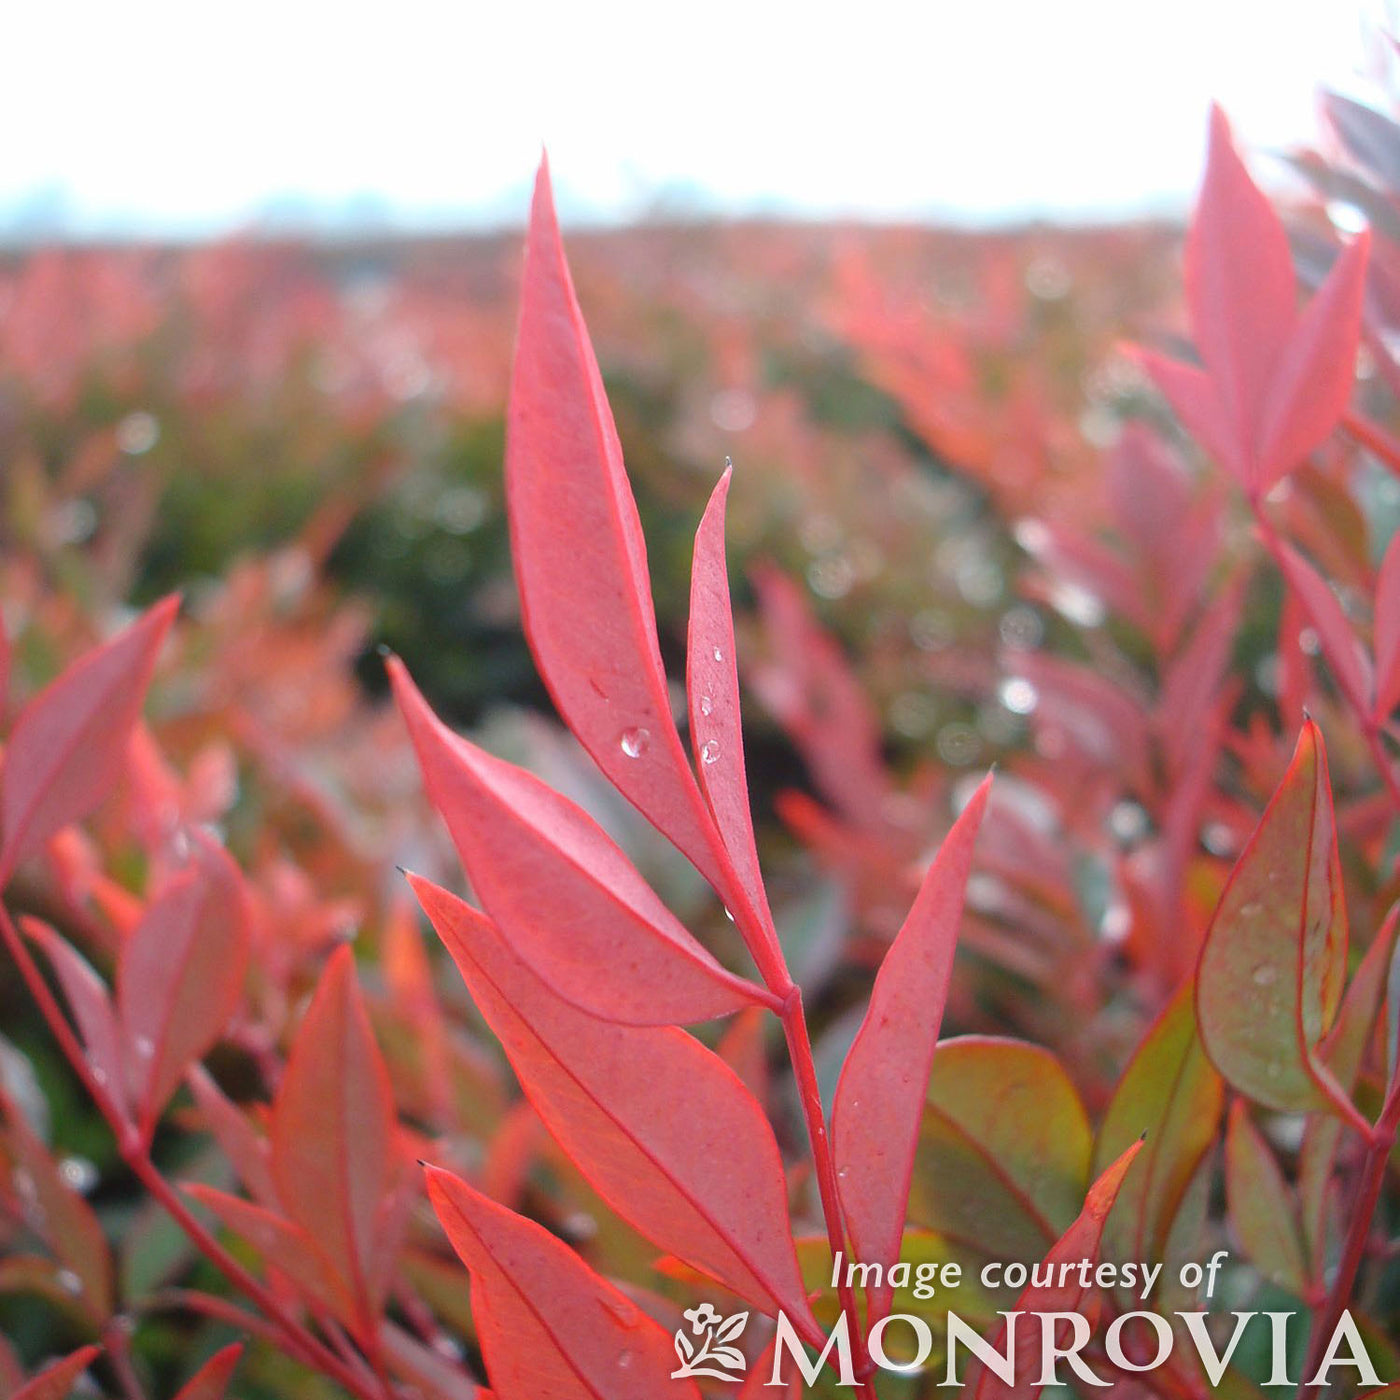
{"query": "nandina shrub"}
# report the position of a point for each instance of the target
(655, 1201)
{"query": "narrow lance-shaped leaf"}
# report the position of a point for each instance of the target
(1262, 1210)
(880, 1096)
(56, 1382)
(664, 1131)
(580, 558)
(1339, 642)
(1080, 1242)
(568, 899)
(180, 974)
(1274, 958)
(67, 745)
(334, 1134)
(211, 1380)
(549, 1326)
(90, 1004)
(1388, 632)
(712, 687)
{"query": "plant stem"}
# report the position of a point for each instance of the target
(1381, 445)
(296, 1339)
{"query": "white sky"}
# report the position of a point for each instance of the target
(192, 118)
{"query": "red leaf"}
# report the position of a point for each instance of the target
(1388, 632)
(549, 1326)
(180, 975)
(1313, 382)
(211, 1380)
(1080, 1241)
(712, 685)
(69, 742)
(334, 1135)
(660, 1126)
(56, 1382)
(1192, 394)
(879, 1100)
(572, 519)
(246, 1148)
(1241, 290)
(284, 1246)
(1343, 649)
(567, 898)
(90, 1004)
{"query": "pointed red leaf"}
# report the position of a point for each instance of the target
(211, 1380)
(580, 559)
(549, 1326)
(712, 685)
(56, 1382)
(1313, 381)
(1341, 644)
(568, 899)
(90, 1004)
(879, 1100)
(69, 742)
(246, 1149)
(1080, 1241)
(1273, 963)
(1192, 394)
(1241, 289)
(334, 1134)
(180, 975)
(661, 1127)
(1388, 632)
(284, 1246)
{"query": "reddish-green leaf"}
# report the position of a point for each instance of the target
(211, 1380)
(245, 1147)
(568, 899)
(580, 559)
(550, 1328)
(1262, 1210)
(712, 688)
(67, 745)
(334, 1135)
(1172, 1093)
(1274, 959)
(1388, 631)
(56, 1382)
(661, 1127)
(1081, 1241)
(1004, 1150)
(180, 975)
(880, 1096)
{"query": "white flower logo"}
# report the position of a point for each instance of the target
(711, 1356)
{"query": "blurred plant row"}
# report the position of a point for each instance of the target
(966, 526)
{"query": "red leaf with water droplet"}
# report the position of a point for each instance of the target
(661, 1127)
(568, 899)
(56, 1382)
(1388, 632)
(335, 1136)
(211, 1380)
(573, 522)
(879, 1100)
(712, 686)
(180, 975)
(549, 1325)
(1079, 1242)
(69, 742)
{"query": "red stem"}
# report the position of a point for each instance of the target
(134, 1151)
(1374, 438)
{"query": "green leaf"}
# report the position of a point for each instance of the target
(1262, 1209)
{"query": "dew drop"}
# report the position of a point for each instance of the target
(706, 705)
(719, 655)
(69, 1282)
(78, 1174)
(1265, 975)
(1251, 910)
(624, 1360)
(709, 752)
(729, 916)
(145, 1046)
(635, 741)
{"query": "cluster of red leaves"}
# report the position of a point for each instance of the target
(979, 1147)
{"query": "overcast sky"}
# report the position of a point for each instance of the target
(179, 118)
